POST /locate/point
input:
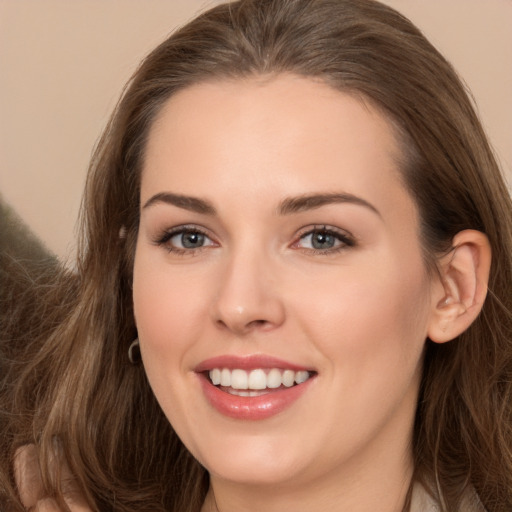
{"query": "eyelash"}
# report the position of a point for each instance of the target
(166, 236)
(346, 240)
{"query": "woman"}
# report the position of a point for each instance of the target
(292, 213)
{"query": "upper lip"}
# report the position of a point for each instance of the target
(249, 362)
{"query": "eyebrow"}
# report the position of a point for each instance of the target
(193, 204)
(310, 202)
(287, 207)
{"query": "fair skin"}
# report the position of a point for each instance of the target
(338, 288)
(275, 233)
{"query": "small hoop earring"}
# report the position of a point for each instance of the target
(134, 352)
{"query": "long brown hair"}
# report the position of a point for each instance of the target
(77, 390)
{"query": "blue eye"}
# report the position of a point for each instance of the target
(188, 240)
(324, 240)
(184, 239)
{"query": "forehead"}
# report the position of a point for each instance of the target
(284, 132)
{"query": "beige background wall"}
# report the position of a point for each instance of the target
(64, 62)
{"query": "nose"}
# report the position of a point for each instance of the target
(249, 297)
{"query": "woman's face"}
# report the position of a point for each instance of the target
(278, 251)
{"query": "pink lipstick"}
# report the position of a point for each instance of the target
(253, 387)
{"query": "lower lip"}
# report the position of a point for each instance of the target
(254, 407)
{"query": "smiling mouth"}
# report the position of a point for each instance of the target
(257, 382)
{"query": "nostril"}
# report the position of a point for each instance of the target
(222, 324)
(257, 324)
(243, 327)
(252, 312)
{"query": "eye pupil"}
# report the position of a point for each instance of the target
(322, 240)
(192, 240)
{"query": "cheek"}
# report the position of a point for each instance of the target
(376, 316)
(370, 331)
(166, 309)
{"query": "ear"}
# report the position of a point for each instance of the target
(459, 293)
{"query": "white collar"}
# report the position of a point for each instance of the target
(422, 501)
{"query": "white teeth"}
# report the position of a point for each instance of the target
(257, 379)
(301, 377)
(243, 392)
(215, 376)
(239, 379)
(274, 378)
(225, 377)
(288, 378)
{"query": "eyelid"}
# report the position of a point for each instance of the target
(345, 237)
(164, 236)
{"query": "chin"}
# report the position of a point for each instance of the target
(250, 474)
(254, 461)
